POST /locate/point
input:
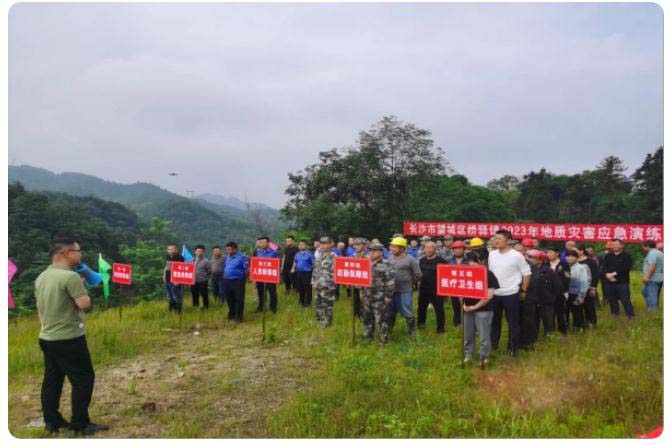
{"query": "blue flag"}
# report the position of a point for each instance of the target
(188, 257)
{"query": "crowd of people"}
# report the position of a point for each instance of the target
(538, 288)
(533, 285)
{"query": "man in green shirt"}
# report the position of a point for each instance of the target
(61, 297)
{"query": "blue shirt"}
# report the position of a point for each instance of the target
(351, 251)
(654, 257)
(386, 253)
(336, 251)
(234, 266)
(413, 251)
(304, 260)
(266, 253)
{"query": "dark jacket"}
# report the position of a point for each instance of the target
(621, 263)
(545, 286)
(563, 272)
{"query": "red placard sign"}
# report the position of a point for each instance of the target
(462, 281)
(122, 273)
(182, 273)
(265, 269)
(353, 271)
(576, 232)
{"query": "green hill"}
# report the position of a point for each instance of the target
(194, 220)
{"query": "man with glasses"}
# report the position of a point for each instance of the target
(61, 297)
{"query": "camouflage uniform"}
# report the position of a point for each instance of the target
(324, 287)
(372, 300)
(359, 291)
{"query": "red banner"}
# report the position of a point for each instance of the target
(122, 273)
(563, 232)
(182, 273)
(265, 269)
(352, 271)
(462, 281)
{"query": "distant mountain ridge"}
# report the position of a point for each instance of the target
(230, 201)
(194, 220)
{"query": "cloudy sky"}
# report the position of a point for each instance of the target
(234, 96)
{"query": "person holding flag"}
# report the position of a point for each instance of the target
(61, 297)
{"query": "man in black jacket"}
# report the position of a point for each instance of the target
(616, 267)
(544, 288)
(428, 287)
(590, 316)
(563, 272)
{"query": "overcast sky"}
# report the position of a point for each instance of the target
(234, 96)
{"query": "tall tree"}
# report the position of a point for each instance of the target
(504, 183)
(648, 188)
(363, 189)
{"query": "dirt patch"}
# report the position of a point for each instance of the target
(528, 391)
(212, 385)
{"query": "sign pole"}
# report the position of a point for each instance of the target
(353, 316)
(462, 334)
(181, 308)
(121, 302)
(263, 309)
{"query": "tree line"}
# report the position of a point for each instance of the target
(394, 172)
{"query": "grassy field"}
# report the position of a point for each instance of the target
(212, 378)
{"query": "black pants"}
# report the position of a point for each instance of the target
(67, 358)
(358, 309)
(429, 296)
(261, 288)
(561, 313)
(576, 311)
(590, 316)
(234, 294)
(545, 314)
(620, 292)
(528, 324)
(304, 281)
(200, 289)
(456, 305)
(289, 280)
(511, 306)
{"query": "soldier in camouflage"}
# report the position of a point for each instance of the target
(376, 299)
(360, 251)
(323, 284)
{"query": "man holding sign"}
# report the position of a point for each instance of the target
(376, 299)
(478, 317)
(173, 291)
(265, 251)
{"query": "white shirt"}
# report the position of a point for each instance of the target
(509, 268)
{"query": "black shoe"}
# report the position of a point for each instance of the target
(90, 429)
(53, 428)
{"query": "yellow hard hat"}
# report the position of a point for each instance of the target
(399, 241)
(476, 242)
